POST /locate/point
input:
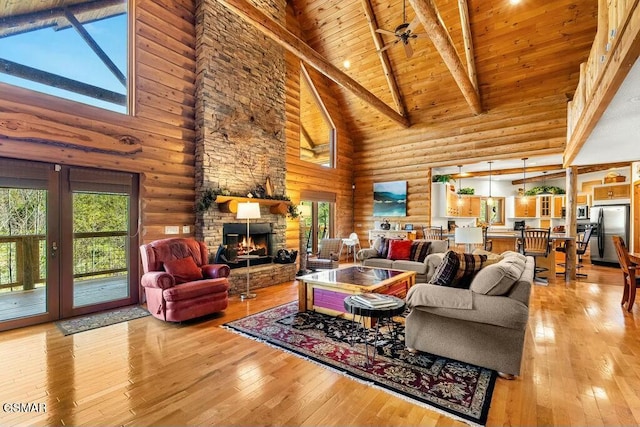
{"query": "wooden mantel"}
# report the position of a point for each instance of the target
(229, 204)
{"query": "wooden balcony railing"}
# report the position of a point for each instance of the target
(23, 257)
(613, 53)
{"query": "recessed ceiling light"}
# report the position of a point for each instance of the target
(346, 63)
(514, 1)
(635, 99)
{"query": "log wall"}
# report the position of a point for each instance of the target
(305, 176)
(163, 42)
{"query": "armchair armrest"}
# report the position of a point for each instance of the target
(158, 279)
(366, 253)
(214, 271)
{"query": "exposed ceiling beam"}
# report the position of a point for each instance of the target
(463, 6)
(581, 170)
(384, 58)
(426, 12)
(510, 171)
(43, 77)
(293, 44)
(90, 41)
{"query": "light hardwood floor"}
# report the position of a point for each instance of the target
(581, 367)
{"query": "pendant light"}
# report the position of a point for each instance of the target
(459, 185)
(490, 199)
(523, 199)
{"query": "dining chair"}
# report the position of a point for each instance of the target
(536, 242)
(432, 233)
(631, 281)
(581, 247)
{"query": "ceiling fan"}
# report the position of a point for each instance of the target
(403, 33)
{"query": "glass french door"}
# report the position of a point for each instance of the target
(67, 241)
(320, 224)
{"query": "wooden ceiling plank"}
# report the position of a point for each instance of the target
(384, 58)
(293, 44)
(426, 12)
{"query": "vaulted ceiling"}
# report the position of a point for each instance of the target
(521, 52)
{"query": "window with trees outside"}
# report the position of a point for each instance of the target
(70, 49)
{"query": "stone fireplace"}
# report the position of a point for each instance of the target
(240, 121)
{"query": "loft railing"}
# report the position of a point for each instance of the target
(611, 57)
(23, 258)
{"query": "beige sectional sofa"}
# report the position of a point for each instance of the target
(484, 325)
(424, 270)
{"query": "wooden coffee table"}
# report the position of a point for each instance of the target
(326, 290)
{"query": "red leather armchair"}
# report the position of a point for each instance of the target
(178, 282)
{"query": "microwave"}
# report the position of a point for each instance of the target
(582, 212)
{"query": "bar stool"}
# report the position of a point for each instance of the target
(536, 242)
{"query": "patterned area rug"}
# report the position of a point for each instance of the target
(457, 388)
(98, 320)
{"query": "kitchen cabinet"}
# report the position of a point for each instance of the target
(445, 203)
(470, 206)
(544, 204)
(556, 207)
(583, 199)
(611, 192)
(525, 207)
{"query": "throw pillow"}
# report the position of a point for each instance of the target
(419, 250)
(183, 270)
(457, 269)
(384, 247)
(446, 271)
(469, 265)
(399, 250)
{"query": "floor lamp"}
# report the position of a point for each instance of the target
(248, 211)
(469, 236)
(305, 212)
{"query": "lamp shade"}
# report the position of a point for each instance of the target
(468, 235)
(248, 210)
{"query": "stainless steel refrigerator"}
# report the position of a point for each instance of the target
(611, 220)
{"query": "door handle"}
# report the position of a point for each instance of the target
(54, 249)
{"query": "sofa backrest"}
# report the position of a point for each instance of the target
(521, 290)
(156, 253)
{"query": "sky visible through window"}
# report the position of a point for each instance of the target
(66, 54)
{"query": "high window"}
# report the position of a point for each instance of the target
(71, 49)
(317, 131)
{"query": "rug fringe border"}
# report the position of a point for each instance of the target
(355, 378)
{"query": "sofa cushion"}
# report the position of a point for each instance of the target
(508, 254)
(418, 267)
(419, 250)
(457, 269)
(428, 295)
(379, 262)
(491, 256)
(497, 279)
(183, 270)
(399, 250)
(438, 246)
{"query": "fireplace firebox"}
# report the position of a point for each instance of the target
(259, 242)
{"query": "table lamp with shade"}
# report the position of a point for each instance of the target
(469, 236)
(248, 211)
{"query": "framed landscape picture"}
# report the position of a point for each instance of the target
(390, 198)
